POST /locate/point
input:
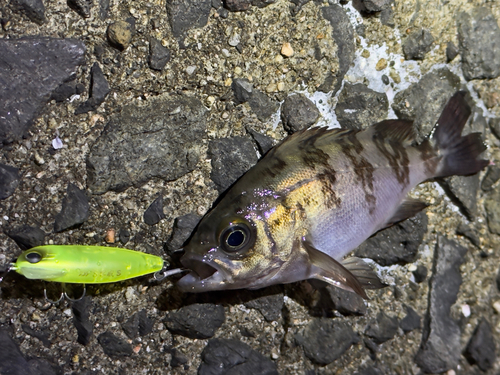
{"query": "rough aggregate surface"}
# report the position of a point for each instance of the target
(132, 117)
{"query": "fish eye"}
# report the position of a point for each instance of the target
(236, 238)
(33, 257)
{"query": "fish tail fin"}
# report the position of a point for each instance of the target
(459, 154)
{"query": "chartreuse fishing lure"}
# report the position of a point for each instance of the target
(81, 264)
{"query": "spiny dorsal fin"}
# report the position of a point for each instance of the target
(408, 208)
(401, 131)
(327, 269)
(363, 272)
(307, 137)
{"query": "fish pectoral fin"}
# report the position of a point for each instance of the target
(408, 208)
(325, 268)
(363, 272)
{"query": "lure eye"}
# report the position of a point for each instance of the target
(33, 257)
(236, 238)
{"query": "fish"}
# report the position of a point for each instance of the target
(317, 196)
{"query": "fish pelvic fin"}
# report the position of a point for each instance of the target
(363, 272)
(327, 269)
(459, 153)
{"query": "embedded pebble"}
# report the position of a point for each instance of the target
(120, 34)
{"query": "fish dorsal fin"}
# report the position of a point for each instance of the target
(401, 131)
(306, 138)
(327, 269)
(363, 272)
(408, 208)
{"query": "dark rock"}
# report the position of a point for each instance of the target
(178, 359)
(103, 9)
(417, 44)
(99, 89)
(462, 190)
(81, 319)
(184, 15)
(231, 158)
(343, 34)
(120, 34)
(197, 321)
(114, 346)
(440, 347)
(451, 51)
(30, 70)
(64, 92)
(40, 366)
(82, 7)
(369, 371)
(383, 328)
(231, 356)
(345, 302)
(34, 9)
(159, 56)
(159, 139)
(492, 206)
(490, 178)
(269, 306)
(124, 235)
(154, 213)
(481, 347)
(242, 89)
(361, 30)
(260, 103)
(262, 3)
(75, 209)
(9, 180)
(387, 17)
(237, 5)
(325, 340)
(397, 244)
(264, 143)
(372, 347)
(11, 359)
(43, 337)
(375, 5)
(424, 101)
(359, 106)
(420, 274)
(139, 324)
(495, 126)
(298, 112)
(479, 38)
(411, 321)
(385, 79)
(469, 233)
(27, 237)
(498, 280)
(183, 227)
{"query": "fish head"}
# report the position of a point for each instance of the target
(231, 249)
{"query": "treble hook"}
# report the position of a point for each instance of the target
(64, 294)
(7, 270)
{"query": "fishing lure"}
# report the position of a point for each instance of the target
(81, 264)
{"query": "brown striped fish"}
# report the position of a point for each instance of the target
(318, 195)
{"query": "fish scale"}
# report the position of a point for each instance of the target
(318, 195)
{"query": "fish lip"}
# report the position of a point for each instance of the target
(203, 274)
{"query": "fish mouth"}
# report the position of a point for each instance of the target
(202, 276)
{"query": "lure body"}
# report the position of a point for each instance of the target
(85, 264)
